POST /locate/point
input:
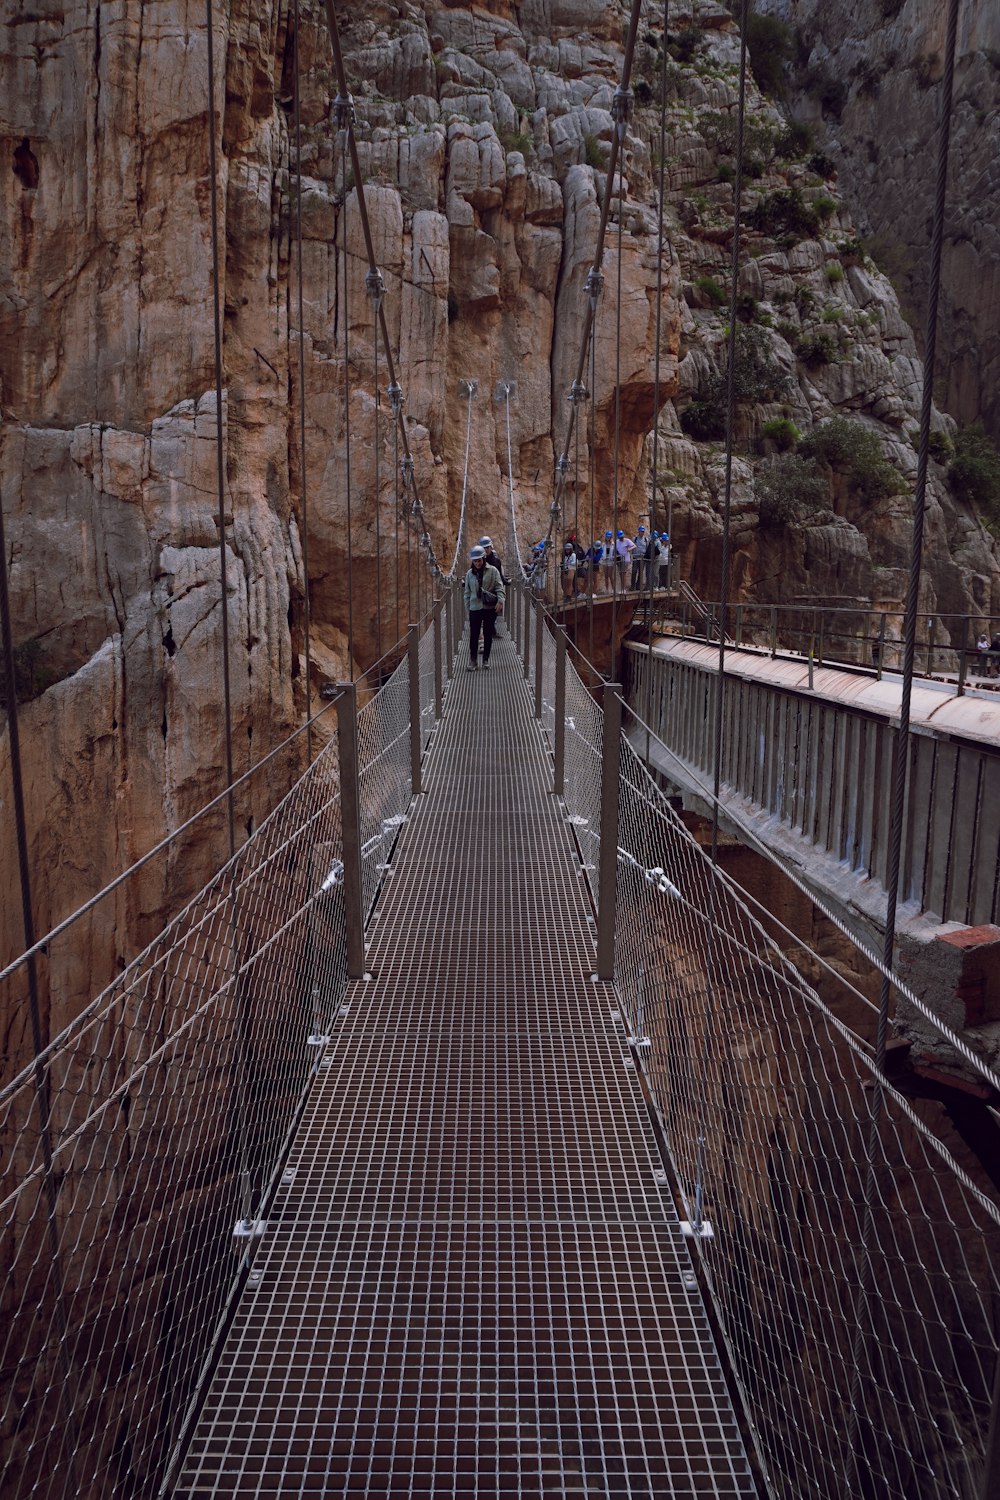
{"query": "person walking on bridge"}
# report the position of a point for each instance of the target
(484, 596)
(495, 561)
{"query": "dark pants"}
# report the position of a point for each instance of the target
(640, 573)
(486, 621)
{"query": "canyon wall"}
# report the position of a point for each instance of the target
(867, 75)
(483, 137)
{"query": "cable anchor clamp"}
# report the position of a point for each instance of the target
(468, 388)
(406, 469)
(562, 466)
(395, 394)
(343, 111)
(375, 287)
(621, 110)
(578, 392)
(594, 286)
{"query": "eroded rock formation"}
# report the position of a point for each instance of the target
(483, 138)
(868, 75)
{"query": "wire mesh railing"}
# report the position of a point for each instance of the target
(142, 1145)
(948, 646)
(862, 1324)
(847, 1239)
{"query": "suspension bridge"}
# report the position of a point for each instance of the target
(470, 1131)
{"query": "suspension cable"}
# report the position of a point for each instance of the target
(617, 141)
(524, 567)
(619, 558)
(40, 1071)
(344, 106)
(376, 290)
(595, 292)
(219, 439)
(730, 426)
(302, 376)
(395, 402)
(902, 744)
(343, 124)
(652, 565)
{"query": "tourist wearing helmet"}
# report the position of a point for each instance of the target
(624, 547)
(493, 558)
(606, 563)
(484, 596)
(642, 551)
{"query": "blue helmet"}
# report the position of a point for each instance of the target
(621, 533)
(607, 536)
(642, 528)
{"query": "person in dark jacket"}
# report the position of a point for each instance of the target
(495, 561)
(484, 597)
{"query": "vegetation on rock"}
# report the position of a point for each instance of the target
(852, 449)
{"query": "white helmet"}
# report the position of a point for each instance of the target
(486, 541)
(476, 553)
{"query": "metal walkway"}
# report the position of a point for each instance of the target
(473, 1281)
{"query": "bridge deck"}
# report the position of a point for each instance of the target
(475, 1282)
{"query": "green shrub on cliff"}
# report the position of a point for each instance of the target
(790, 488)
(974, 474)
(853, 450)
(785, 215)
(769, 43)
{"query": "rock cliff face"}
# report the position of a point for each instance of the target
(483, 137)
(869, 74)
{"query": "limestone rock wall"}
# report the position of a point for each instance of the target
(484, 136)
(886, 60)
(825, 339)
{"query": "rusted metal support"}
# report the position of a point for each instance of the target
(438, 664)
(559, 748)
(413, 657)
(539, 637)
(607, 874)
(350, 822)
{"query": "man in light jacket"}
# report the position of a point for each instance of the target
(484, 595)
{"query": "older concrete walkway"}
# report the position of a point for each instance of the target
(474, 1283)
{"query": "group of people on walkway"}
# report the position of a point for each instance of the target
(610, 565)
(615, 562)
(988, 651)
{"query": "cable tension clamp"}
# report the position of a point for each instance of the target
(375, 287)
(343, 111)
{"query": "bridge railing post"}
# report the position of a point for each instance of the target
(559, 747)
(607, 874)
(774, 632)
(350, 822)
(881, 645)
(449, 633)
(539, 636)
(459, 618)
(413, 656)
(438, 682)
(526, 643)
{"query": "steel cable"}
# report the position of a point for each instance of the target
(219, 436)
(302, 373)
(902, 744)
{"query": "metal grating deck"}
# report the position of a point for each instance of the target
(474, 1283)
